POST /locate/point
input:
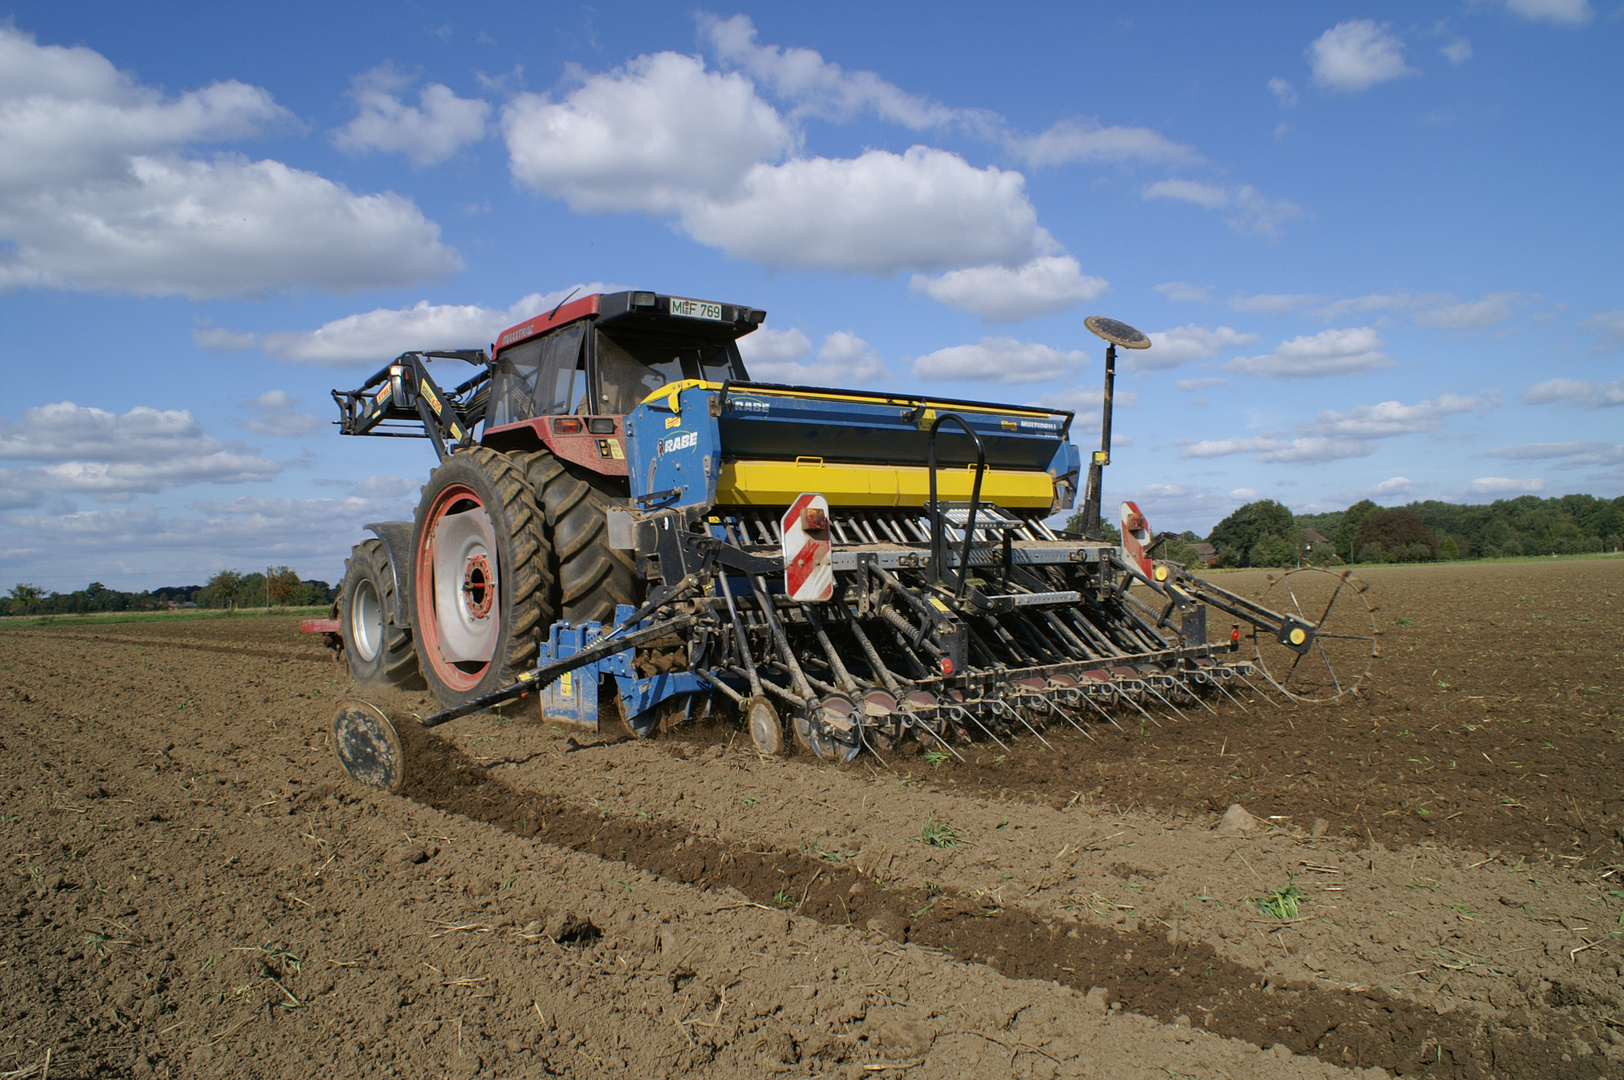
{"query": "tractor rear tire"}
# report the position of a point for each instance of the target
(478, 629)
(379, 653)
(592, 576)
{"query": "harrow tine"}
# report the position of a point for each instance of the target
(1195, 697)
(1223, 690)
(1149, 686)
(974, 719)
(1255, 688)
(1109, 718)
(1123, 696)
(1016, 713)
(1064, 715)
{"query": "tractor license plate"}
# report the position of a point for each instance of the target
(696, 309)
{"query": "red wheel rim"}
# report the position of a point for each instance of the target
(482, 595)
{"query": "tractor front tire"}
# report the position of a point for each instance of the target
(592, 576)
(379, 653)
(481, 575)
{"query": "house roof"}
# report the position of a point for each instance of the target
(1313, 537)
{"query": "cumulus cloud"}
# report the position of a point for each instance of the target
(1247, 210)
(1393, 485)
(1389, 418)
(1088, 141)
(1274, 303)
(653, 135)
(111, 456)
(1281, 451)
(1503, 485)
(1185, 292)
(1000, 359)
(1356, 55)
(1565, 12)
(1283, 92)
(1458, 51)
(879, 213)
(1588, 395)
(1085, 399)
(439, 125)
(95, 192)
(1491, 310)
(1043, 286)
(844, 359)
(1609, 326)
(275, 413)
(819, 87)
(1330, 352)
(1567, 454)
(1180, 345)
(384, 333)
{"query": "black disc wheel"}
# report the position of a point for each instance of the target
(378, 651)
(592, 577)
(481, 575)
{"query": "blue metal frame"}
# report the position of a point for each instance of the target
(576, 696)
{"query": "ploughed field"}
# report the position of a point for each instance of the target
(1433, 883)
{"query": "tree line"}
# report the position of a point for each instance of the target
(1266, 533)
(278, 586)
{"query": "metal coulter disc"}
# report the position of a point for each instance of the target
(369, 747)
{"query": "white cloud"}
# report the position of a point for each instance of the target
(1086, 140)
(1043, 286)
(110, 456)
(1490, 311)
(844, 359)
(820, 87)
(657, 134)
(1395, 418)
(1330, 352)
(1458, 51)
(1380, 302)
(1356, 55)
(205, 335)
(94, 192)
(435, 129)
(1249, 210)
(879, 213)
(1086, 399)
(384, 333)
(1200, 384)
(1274, 303)
(1569, 12)
(1589, 395)
(1283, 92)
(1394, 485)
(1281, 451)
(1571, 454)
(1184, 291)
(1503, 485)
(275, 414)
(1610, 326)
(1180, 345)
(1000, 359)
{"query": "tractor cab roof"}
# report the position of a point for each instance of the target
(644, 311)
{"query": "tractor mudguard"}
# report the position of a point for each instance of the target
(396, 537)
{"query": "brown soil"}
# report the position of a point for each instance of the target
(194, 889)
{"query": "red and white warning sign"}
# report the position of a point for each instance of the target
(808, 573)
(1136, 537)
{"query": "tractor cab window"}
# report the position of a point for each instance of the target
(513, 386)
(542, 377)
(562, 386)
(633, 366)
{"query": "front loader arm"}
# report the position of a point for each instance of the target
(404, 401)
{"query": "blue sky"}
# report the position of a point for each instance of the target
(1377, 245)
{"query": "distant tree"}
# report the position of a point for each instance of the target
(1180, 549)
(1399, 535)
(1108, 532)
(1239, 533)
(281, 585)
(225, 588)
(1272, 550)
(24, 599)
(1348, 528)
